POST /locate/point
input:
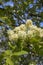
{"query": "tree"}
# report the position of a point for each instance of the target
(14, 13)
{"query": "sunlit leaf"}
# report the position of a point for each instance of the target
(9, 61)
(8, 52)
(20, 53)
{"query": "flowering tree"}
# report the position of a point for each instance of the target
(21, 40)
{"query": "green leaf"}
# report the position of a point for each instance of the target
(9, 61)
(12, 46)
(8, 52)
(41, 52)
(20, 53)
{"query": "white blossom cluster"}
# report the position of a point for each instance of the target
(27, 30)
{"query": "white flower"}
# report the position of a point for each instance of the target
(23, 27)
(10, 32)
(28, 23)
(13, 37)
(22, 35)
(30, 33)
(32, 27)
(35, 29)
(25, 30)
(41, 33)
(16, 29)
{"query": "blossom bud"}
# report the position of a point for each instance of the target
(16, 29)
(22, 27)
(28, 23)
